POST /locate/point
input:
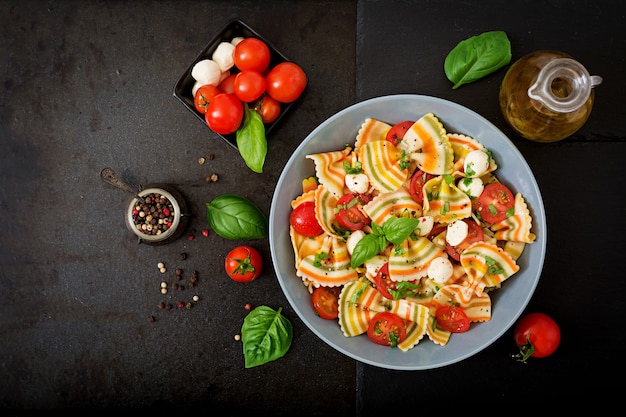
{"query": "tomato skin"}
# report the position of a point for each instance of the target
(494, 202)
(397, 131)
(303, 221)
(383, 283)
(325, 302)
(224, 113)
(249, 85)
(452, 319)
(348, 215)
(228, 84)
(268, 108)
(286, 82)
(474, 234)
(243, 264)
(382, 325)
(416, 185)
(252, 54)
(537, 335)
(203, 97)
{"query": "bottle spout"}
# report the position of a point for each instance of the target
(595, 80)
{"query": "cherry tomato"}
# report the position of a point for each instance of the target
(452, 319)
(474, 234)
(494, 202)
(537, 335)
(303, 220)
(348, 214)
(416, 186)
(326, 302)
(383, 282)
(243, 264)
(268, 109)
(203, 97)
(386, 329)
(228, 84)
(224, 113)
(252, 54)
(396, 133)
(249, 85)
(286, 82)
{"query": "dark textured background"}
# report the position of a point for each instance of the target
(88, 84)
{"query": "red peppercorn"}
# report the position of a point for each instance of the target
(166, 211)
(247, 306)
(181, 304)
(205, 232)
(191, 237)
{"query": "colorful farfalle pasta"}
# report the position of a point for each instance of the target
(406, 249)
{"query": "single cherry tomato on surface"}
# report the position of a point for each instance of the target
(303, 221)
(386, 329)
(474, 234)
(243, 264)
(224, 113)
(416, 185)
(537, 335)
(286, 82)
(249, 85)
(203, 97)
(252, 54)
(452, 319)
(348, 214)
(397, 131)
(325, 302)
(228, 84)
(268, 108)
(494, 202)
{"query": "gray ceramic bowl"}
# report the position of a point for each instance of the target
(507, 303)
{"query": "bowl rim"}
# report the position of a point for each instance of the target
(537, 248)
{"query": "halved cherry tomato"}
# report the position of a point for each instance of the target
(243, 264)
(383, 283)
(348, 214)
(224, 113)
(474, 234)
(326, 302)
(452, 319)
(286, 82)
(228, 84)
(268, 109)
(249, 85)
(303, 221)
(416, 186)
(397, 131)
(386, 329)
(252, 54)
(494, 202)
(203, 97)
(537, 335)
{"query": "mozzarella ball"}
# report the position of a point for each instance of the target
(207, 72)
(426, 225)
(353, 239)
(473, 187)
(456, 232)
(223, 56)
(440, 270)
(476, 163)
(357, 183)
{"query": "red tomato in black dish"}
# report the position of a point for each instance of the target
(303, 221)
(203, 97)
(452, 319)
(249, 85)
(243, 264)
(474, 234)
(494, 202)
(268, 108)
(386, 329)
(252, 54)
(325, 302)
(224, 113)
(397, 131)
(348, 213)
(228, 84)
(416, 186)
(286, 82)
(537, 335)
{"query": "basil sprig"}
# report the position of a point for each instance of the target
(251, 141)
(395, 230)
(266, 335)
(477, 57)
(234, 217)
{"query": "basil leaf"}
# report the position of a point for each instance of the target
(477, 57)
(251, 140)
(266, 335)
(398, 229)
(234, 217)
(368, 247)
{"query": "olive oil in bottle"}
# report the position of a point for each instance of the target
(546, 96)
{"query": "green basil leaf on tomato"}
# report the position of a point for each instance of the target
(234, 217)
(266, 335)
(251, 140)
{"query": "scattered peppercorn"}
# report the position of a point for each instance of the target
(179, 271)
(205, 232)
(196, 298)
(181, 304)
(168, 306)
(161, 305)
(188, 306)
(210, 156)
(183, 256)
(247, 306)
(151, 319)
(237, 337)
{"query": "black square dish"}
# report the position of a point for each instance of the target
(233, 28)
